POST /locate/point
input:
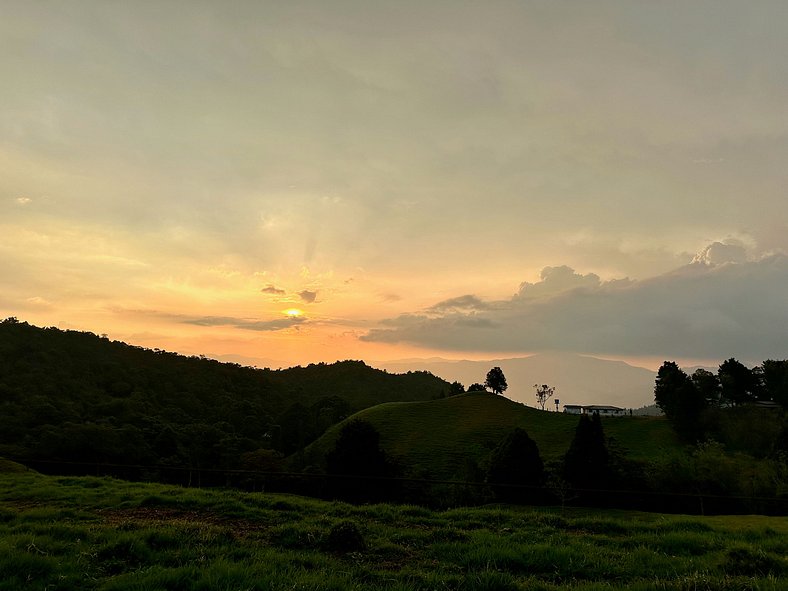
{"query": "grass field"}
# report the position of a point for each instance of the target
(99, 533)
(437, 437)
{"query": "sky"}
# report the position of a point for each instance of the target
(290, 182)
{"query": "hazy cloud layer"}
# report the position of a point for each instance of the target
(700, 310)
(245, 323)
(184, 156)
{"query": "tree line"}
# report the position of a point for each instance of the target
(744, 408)
(75, 396)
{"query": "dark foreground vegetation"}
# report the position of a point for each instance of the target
(62, 533)
(75, 403)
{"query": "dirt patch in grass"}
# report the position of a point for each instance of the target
(128, 518)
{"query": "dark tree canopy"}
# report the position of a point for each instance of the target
(586, 463)
(357, 452)
(476, 387)
(456, 388)
(708, 385)
(739, 383)
(775, 381)
(680, 400)
(496, 381)
(516, 461)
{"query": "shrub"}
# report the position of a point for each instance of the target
(345, 537)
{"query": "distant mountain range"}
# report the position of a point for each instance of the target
(578, 379)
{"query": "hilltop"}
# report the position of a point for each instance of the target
(437, 437)
(579, 379)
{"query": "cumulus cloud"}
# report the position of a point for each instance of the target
(307, 296)
(555, 280)
(272, 289)
(696, 311)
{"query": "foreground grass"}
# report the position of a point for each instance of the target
(99, 533)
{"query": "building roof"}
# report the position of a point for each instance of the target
(601, 407)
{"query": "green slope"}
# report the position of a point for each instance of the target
(437, 437)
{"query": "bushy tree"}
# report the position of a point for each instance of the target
(456, 388)
(516, 461)
(586, 464)
(775, 381)
(707, 385)
(676, 394)
(357, 453)
(496, 381)
(739, 383)
(477, 387)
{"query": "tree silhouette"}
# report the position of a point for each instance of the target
(516, 461)
(496, 381)
(357, 453)
(739, 383)
(586, 462)
(456, 388)
(543, 394)
(681, 401)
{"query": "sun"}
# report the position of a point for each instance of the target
(293, 312)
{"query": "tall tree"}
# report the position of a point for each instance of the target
(676, 394)
(586, 462)
(516, 461)
(496, 381)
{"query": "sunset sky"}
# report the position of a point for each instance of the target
(292, 182)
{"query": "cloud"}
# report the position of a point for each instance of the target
(307, 296)
(39, 301)
(462, 304)
(244, 323)
(273, 290)
(718, 253)
(556, 280)
(23, 200)
(695, 311)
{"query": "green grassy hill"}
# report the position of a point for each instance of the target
(436, 437)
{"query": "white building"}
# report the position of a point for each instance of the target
(589, 409)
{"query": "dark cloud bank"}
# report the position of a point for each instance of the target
(705, 309)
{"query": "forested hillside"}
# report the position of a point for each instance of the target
(76, 396)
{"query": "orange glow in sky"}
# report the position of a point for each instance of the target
(284, 183)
